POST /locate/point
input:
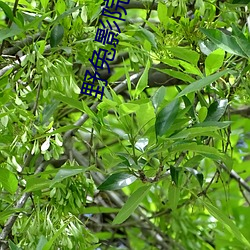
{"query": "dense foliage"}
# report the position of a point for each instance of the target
(161, 162)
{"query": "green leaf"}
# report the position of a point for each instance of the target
(186, 54)
(214, 61)
(143, 34)
(70, 101)
(202, 114)
(193, 132)
(162, 12)
(41, 243)
(204, 150)
(117, 181)
(66, 172)
(49, 110)
(143, 81)
(8, 180)
(173, 196)
(7, 10)
(223, 41)
(132, 203)
(244, 45)
(227, 223)
(197, 85)
(245, 2)
(216, 110)
(56, 35)
(9, 32)
(49, 244)
(13, 246)
(166, 117)
(174, 172)
(67, 12)
(34, 184)
(158, 97)
(219, 125)
(9, 211)
(98, 210)
(44, 3)
(128, 108)
(198, 175)
(177, 74)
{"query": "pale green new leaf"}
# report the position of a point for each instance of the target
(214, 61)
(49, 244)
(8, 180)
(143, 81)
(173, 196)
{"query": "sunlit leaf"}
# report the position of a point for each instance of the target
(8, 180)
(214, 61)
(173, 196)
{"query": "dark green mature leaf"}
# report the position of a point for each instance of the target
(8, 180)
(223, 41)
(132, 203)
(117, 181)
(197, 85)
(174, 172)
(198, 175)
(166, 117)
(7, 10)
(245, 2)
(216, 110)
(56, 35)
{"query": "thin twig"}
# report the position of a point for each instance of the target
(235, 176)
